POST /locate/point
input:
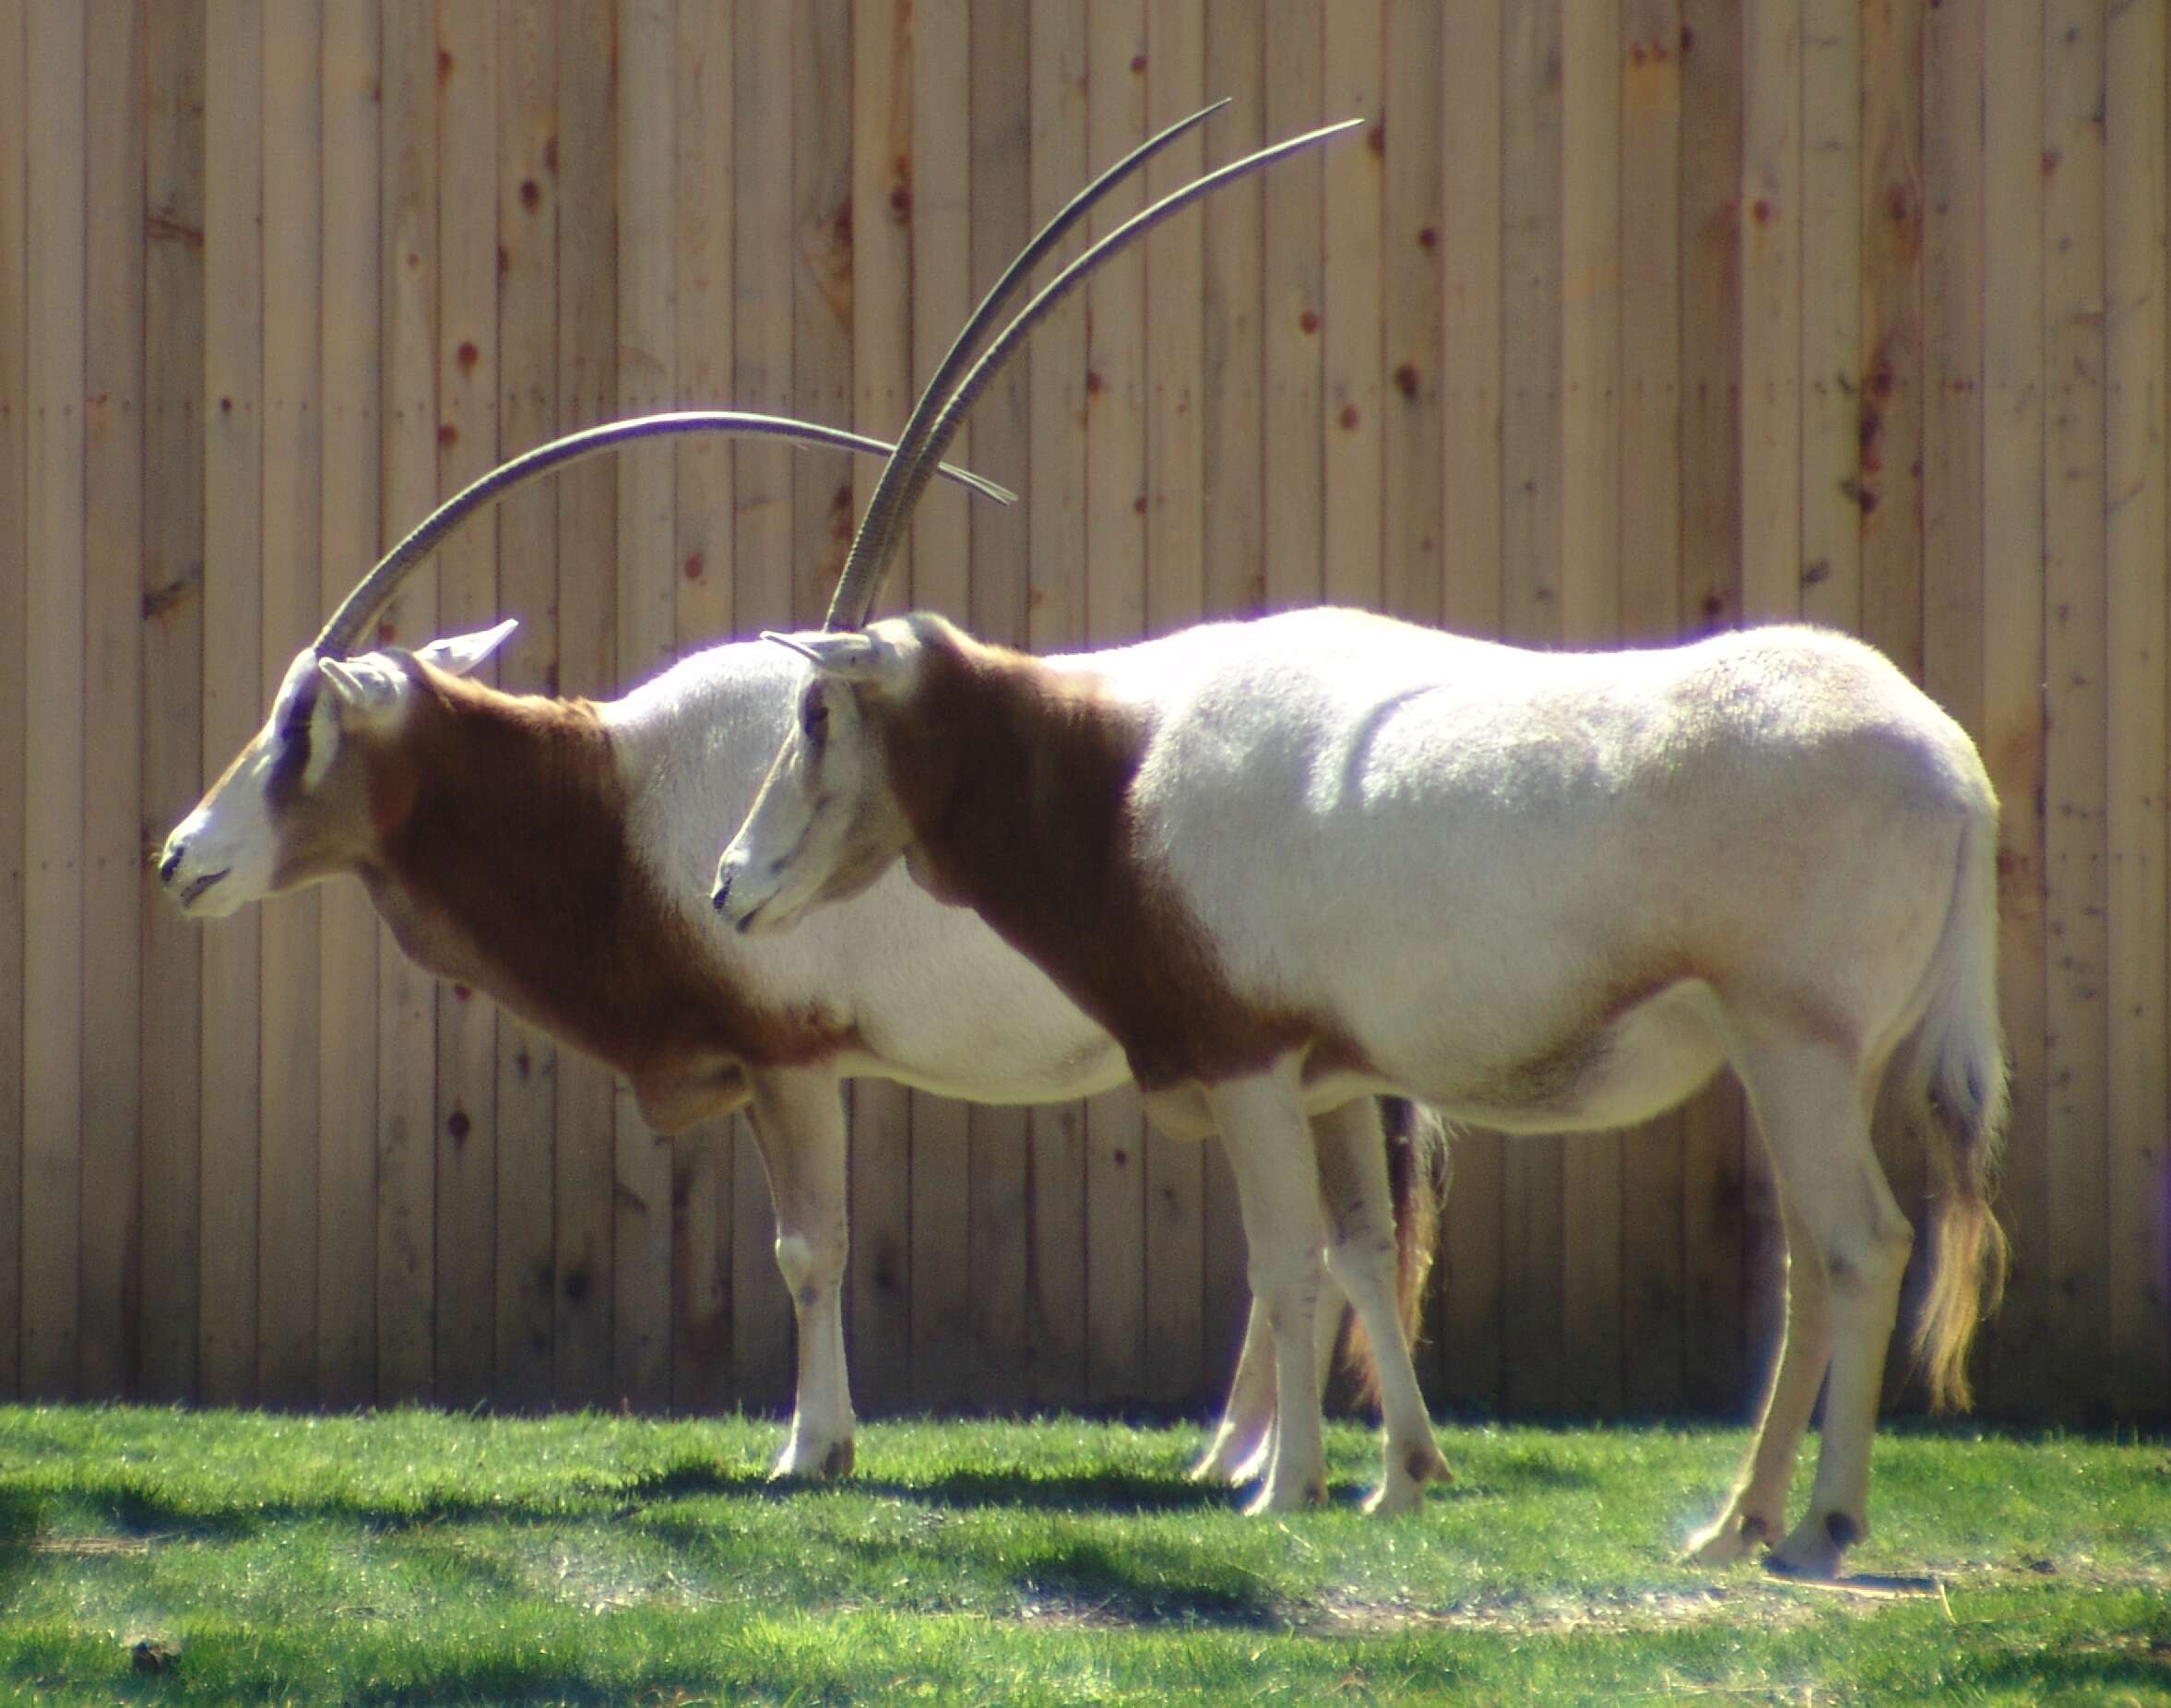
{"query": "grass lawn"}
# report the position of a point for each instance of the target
(411, 1556)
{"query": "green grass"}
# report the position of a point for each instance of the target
(416, 1557)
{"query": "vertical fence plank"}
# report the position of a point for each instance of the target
(1115, 611)
(588, 648)
(54, 684)
(942, 250)
(1653, 1281)
(1352, 183)
(761, 108)
(1890, 455)
(234, 701)
(524, 1284)
(1233, 491)
(760, 111)
(1055, 621)
(820, 187)
(1888, 431)
(1175, 595)
(2138, 1329)
(999, 1267)
(1831, 236)
(702, 344)
(1291, 265)
(15, 578)
(466, 1129)
(407, 997)
(171, 591)
(1411, 244)
(1710, 361)
(113, 830)
(1829, 231)
(2012, 734)
(349, 460)
(292, 528)
(53, 724)
(1952, 289)
(2076, 1063)
(1531, 428)
(880, 1300)
(1771, 489)
(1952, 497)
(1590, 601)
(1771, 314)
(646, 633)
(1472, 42)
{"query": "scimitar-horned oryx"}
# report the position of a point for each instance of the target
(1290, 862)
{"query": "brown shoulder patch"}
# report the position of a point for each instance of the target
(509, 868)
(1015, 779)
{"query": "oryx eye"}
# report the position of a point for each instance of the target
(813, 717)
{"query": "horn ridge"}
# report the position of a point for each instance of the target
(374, 591)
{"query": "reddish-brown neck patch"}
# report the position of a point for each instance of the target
(503, 861)
(1016, 779)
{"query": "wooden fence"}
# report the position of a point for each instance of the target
(1626, 319)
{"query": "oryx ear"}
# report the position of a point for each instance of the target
(369, 687)
(854, 658)
(456, 655)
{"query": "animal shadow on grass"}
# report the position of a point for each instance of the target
(1134, 1582)
(1110, 1491)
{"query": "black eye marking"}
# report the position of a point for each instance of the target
(293, 736)
(814, 718)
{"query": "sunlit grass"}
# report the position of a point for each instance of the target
(413, 1557)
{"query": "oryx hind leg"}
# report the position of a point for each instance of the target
(1361, 1256)
(1755, 1513)
(1810, 1106)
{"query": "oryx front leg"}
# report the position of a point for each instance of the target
(1270, 1152)
(1242, 1446)
(1361, 1256)
(798, 1124)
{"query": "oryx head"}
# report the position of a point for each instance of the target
(294, 805)
(827, 822)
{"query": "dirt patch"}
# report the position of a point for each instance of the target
(1515, 1613)
(84, 1548)
(1549, 1613)
(1772, 1603)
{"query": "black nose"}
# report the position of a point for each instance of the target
(722, 892)
(170, 865)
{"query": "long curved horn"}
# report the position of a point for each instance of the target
(873, 545)
(887, 505)
(374, 591)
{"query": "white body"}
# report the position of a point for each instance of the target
(1540, 891)
(939, 1001)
